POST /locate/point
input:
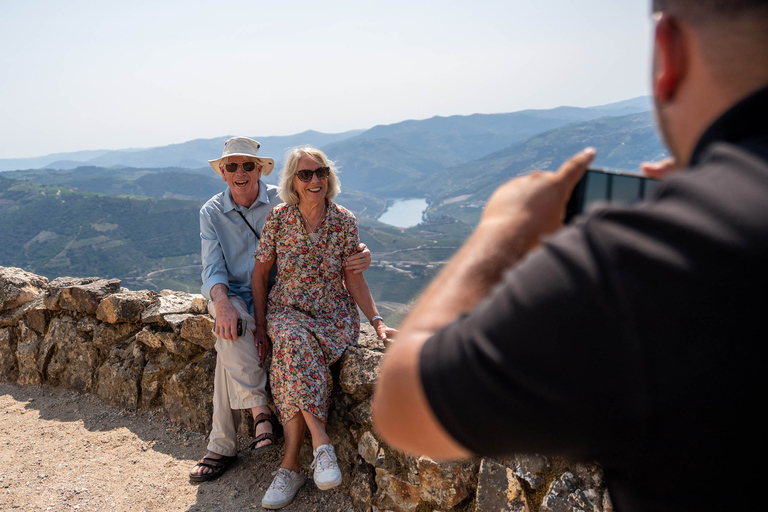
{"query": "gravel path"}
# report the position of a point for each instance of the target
(63, 451)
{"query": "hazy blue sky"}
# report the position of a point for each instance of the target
(109, 75)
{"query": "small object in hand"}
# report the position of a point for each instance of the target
(239, 326)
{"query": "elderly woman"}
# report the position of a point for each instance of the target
(311, 315)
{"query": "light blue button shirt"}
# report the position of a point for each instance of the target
(227, 242)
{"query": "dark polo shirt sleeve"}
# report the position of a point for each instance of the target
(538, 363)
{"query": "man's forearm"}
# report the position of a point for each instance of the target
(467, 279)
(219, 291)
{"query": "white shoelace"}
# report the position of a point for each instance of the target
(323, 460)
(282, 477)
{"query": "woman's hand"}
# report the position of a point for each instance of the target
(360, 261)
(384, 332)
(261, 342)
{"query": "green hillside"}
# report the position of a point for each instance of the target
(621, 143)
(391, 159)
(155, 244)
(56, 231)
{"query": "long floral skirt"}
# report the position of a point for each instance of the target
(303, 349)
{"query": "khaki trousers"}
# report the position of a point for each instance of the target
(239, 382)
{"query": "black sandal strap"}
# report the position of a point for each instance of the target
(277, 428)
(263, 437)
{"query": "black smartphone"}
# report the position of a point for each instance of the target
(600, 186)
(239, 326)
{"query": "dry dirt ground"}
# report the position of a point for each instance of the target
(63, 451)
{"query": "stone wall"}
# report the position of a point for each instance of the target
(148, 350)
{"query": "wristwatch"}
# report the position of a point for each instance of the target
(377, 317)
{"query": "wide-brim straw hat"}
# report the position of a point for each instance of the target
(243, 146)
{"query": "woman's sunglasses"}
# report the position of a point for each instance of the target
(247, 166)
(305, 175)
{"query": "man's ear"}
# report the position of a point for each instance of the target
(670, 59)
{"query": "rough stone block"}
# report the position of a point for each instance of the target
(178, 346)
(363, 486)
(153, 378)
(446, 484)
(86, 324)
(17, 287)
(8, 368)
(124, 306)
(368, 338)
(198, 329)
(105, 336)
(361, 414)
(80, 295)
(199, 305)
(359, 371)
(74, 360)
(149, 338)
(368, 448)
(176, 320)
(36, 316)
(168, 303)
(188, 395)
(565, 495)
(26, 354)
(395, 494)
(12, 317)
(530, 468)
(499, 489)
(119, 377)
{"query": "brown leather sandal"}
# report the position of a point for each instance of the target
(219, 467)
(277, 431)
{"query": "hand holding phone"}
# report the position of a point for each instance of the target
(602, 186)
(239, 326)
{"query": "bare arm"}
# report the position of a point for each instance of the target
(518, 214)
(259, 284)
(358, 287)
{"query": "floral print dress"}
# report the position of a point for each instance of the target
(311, 317)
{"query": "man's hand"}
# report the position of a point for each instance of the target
(535, 204)
(360, 261)
(661, 169)
(226, 313)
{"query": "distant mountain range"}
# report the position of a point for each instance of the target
(133, 214)
(441, 139)
(190, 155)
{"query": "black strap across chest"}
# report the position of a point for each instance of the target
(249, 225)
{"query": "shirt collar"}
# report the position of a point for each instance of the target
(229, 203)
(744, 120)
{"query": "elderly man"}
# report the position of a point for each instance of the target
(230, 227)
(631, 337)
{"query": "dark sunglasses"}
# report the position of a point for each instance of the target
(305, 175)
(247, 166)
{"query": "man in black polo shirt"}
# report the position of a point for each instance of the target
(636, 336)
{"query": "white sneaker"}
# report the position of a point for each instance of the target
(283, 489)
(327, 473)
